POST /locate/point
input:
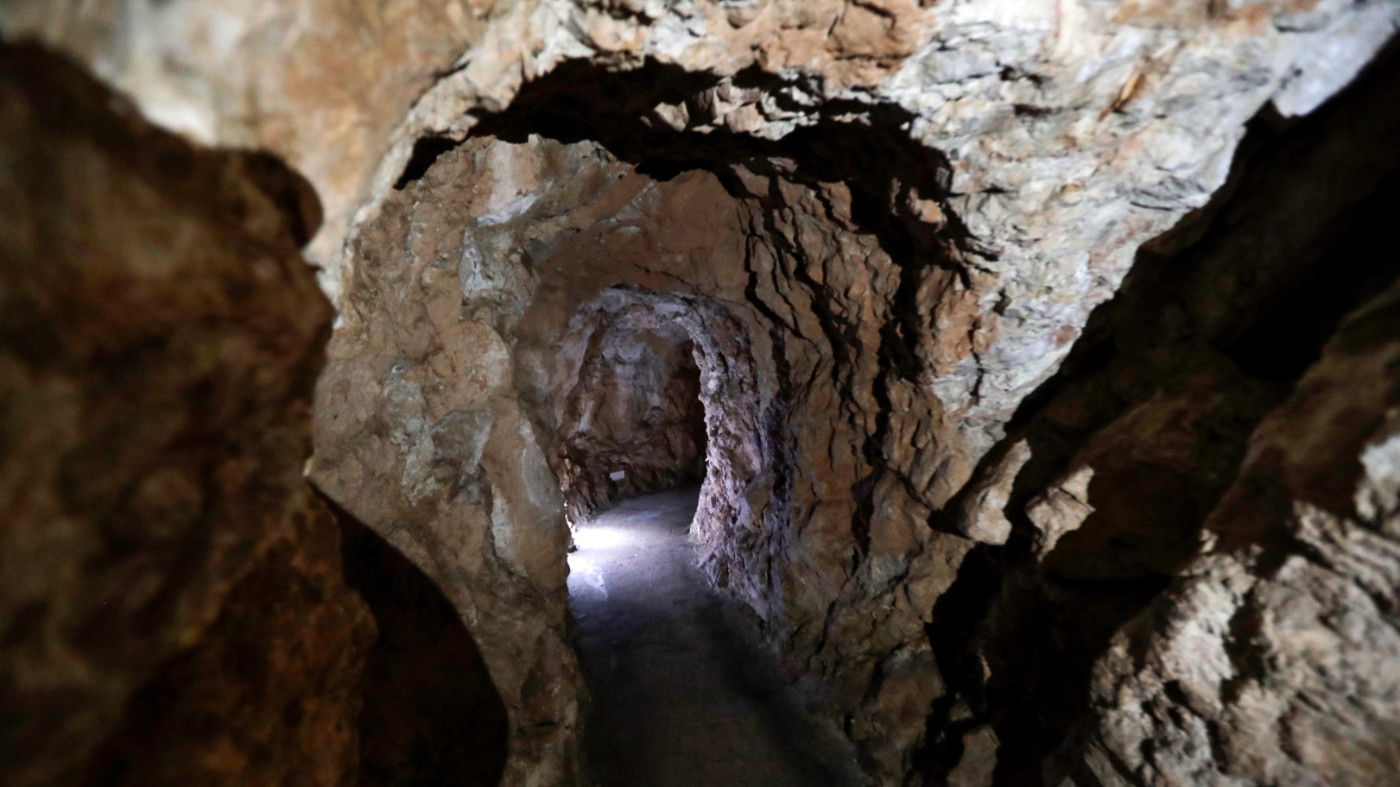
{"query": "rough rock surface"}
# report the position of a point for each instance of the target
(172, 607)
(822, 485)
(632, 420)
(883, 227)
(1137, 443)
(1275, 657)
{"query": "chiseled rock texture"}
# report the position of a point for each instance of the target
(631, 421)
(177, 606)
(1001, 314)
(1274, 657)
(1145, 469)
(172, 605)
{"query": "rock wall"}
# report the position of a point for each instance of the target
(795, 518)
(949, 469)
(435, 417)
(1301, 495)
(817, 440)
(171, 596)
(631, 421)
(1272, 657)
(421, 435)
(176, 606)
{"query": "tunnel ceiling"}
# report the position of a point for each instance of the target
(1019, 332)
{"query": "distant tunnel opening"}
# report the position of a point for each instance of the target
(648, 396)
(633, 422)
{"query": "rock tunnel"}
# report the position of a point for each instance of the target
(631, 420)
(1038, 365)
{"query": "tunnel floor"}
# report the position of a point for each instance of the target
(682, 692)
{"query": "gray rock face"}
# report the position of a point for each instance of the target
(1275, 657)
(1018, 433)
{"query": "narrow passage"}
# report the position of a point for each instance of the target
(683, 693)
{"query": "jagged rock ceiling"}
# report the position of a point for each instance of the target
(1066, 133)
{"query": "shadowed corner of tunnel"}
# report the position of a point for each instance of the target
(431, 713)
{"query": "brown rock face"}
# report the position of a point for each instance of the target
(1152, 476)
(1043, 355)
(930, 590)
(1277, 648)
(633, 421)
(171, 598)
(575, 264)
(176, 606)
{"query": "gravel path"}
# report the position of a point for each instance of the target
(682, 692)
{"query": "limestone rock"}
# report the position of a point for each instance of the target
(982, 516)
(598, 255)
(979, 759)
(1164, 400)
(632, 421)
(421, 435)
(1061, 509)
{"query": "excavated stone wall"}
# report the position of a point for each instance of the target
(1019, 529)
(1121, 470)
(176, 605)
(808, 515)
(630, 420)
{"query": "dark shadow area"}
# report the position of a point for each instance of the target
(431, 715)
(1210, 332)
(160, 560)
(425, 151)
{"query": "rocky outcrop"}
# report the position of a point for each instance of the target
(171, 597)
(1275, 657)
(421, 435)
(1139, 440)
(945, 464)
(583, 239)
(822, 483)
(176, 605)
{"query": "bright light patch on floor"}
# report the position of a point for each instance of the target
(602, 537)
(586, 576)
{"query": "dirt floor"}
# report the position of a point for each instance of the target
(683, 694)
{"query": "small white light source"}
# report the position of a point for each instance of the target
(617, 475)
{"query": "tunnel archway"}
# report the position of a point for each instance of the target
(631, 420)
(904, 259)
(682, 355)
